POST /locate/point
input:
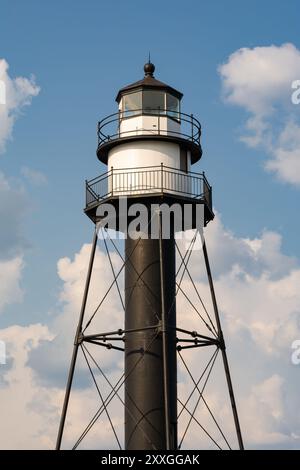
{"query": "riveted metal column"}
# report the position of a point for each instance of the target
(150, 355)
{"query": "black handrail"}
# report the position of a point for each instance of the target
(152, 180)
(116, 119)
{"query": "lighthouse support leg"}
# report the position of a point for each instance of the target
(164, 332)
(76, 342)
(222, 347)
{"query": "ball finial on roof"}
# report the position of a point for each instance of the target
(149, 69)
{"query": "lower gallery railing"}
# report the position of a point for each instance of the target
(148, 180)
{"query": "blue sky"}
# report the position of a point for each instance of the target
(80, 54)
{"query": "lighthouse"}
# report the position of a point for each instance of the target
(149, 146)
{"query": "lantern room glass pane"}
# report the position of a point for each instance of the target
(132, 104)
(153, 102)
(173, 106)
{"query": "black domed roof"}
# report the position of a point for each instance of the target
(148, 82)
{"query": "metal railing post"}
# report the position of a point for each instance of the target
(116, 119)
(205, 188)
(157, 178)
(158, 124)
(192, 124)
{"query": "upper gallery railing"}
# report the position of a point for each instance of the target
(110, 128)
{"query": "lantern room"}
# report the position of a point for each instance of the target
(149, 146)
(149, 107)
(149, 120)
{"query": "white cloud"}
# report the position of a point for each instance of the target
(30, 417)
(260, 309)
(34, 177)
(265, 406)
(38, 356)
(10, 277)
(72, 272)
(12, 209)
(263, 254)
(259, 80)
(13, 206)
(21, 426)
(259, 302)
(19, 92)
(286, 156)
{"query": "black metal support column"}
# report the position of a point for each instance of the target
(151, 384)
(164, 332)
(76, 343)
(223, 349)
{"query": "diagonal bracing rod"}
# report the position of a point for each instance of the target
(76, 342)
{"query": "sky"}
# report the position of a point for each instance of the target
(63, 64)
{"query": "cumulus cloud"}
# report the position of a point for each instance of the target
(259, 301)
(34, 376)
(72, 273)
(265, 417)
(32, 410)
(13, 206)
(257, 289)
(31, 413)
(21, 426)
(259, 80)
(260, 311)
(10, 277)
(16, 93)
(286, 161)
